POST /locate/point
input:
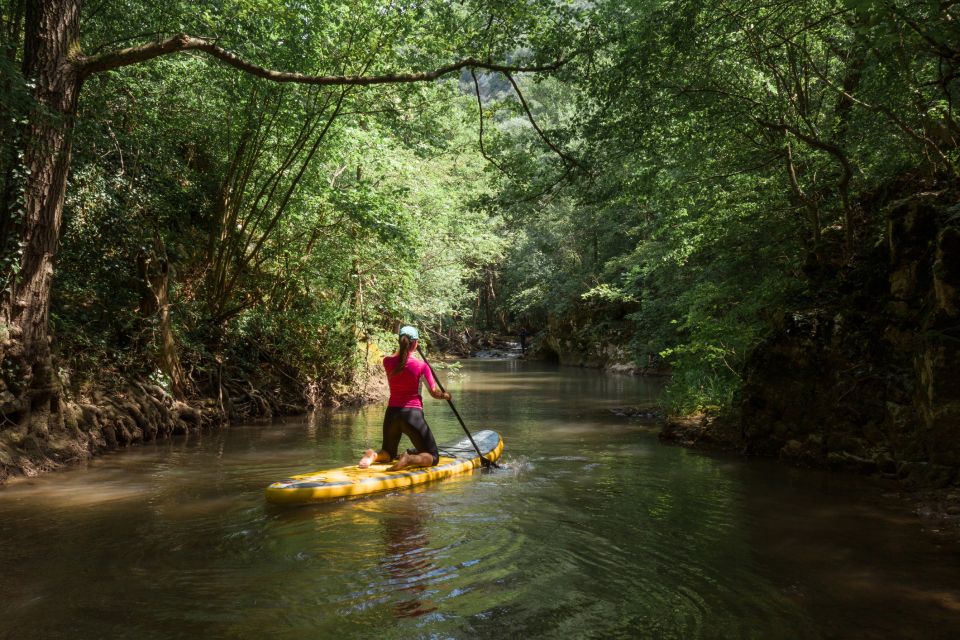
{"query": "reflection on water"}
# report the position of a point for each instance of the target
(407, 561)
(591, 529)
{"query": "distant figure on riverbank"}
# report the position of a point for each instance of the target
(404, 414)
(523, 340)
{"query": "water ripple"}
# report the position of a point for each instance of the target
(589, 529)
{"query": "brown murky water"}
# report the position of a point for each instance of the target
(593, 529)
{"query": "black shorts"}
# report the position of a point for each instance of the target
(408, 421)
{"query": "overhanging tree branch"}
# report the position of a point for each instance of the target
(89, 65)
(843, 186)
(567, 159)
(483, 151)
(900, 123)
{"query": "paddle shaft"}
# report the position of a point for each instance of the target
(483, 460)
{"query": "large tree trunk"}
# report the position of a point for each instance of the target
(169, 355)
(31, 397)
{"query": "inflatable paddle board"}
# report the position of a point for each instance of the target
(346, 482)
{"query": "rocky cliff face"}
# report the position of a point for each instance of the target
(601, 354)
(869, 377)
(586, 344)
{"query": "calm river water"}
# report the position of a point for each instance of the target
(594, 530)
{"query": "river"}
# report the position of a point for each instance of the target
(592, 529)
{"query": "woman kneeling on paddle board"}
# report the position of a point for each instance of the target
(405, 409)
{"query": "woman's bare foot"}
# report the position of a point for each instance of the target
(412, 460)
(402, 462)
(368, 457)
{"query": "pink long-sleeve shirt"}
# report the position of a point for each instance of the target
(405, 385)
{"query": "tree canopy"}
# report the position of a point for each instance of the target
(731, 158)
(259, 185)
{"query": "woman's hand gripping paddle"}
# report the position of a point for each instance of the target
(484, 461)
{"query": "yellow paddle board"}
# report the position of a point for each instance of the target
(346, 482)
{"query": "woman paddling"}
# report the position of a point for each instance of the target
(405, 409)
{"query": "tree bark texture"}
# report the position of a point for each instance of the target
(52, 30)
(30, 390)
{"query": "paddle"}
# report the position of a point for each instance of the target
(483, 461)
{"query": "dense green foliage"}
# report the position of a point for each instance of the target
(221, 228)
(377, 228)
(692, 170)
(728, 161)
